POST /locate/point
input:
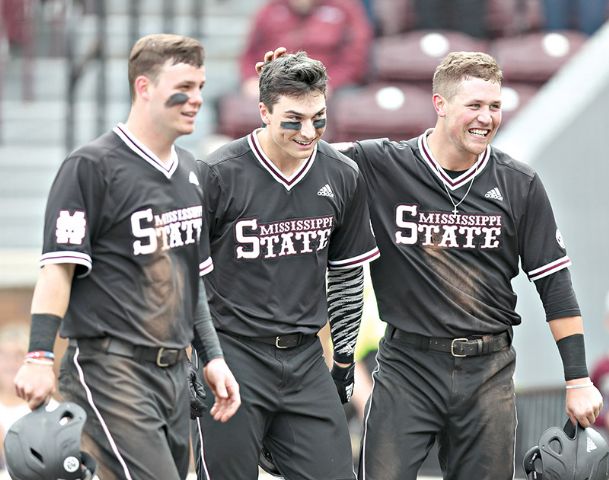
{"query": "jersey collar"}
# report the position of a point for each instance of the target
(436, 168)
(269, 166)
(145, 153)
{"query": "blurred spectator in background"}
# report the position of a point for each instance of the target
(14, 340)
(583, 15)
(336, 32)
(600, 378)
(16, 22)
(465, 16)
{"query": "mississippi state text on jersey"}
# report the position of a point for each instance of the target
(278, 236)
(134, 228)
(446, 274)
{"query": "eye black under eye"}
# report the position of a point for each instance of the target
(321, 123)
(291, 125)
(176, 99)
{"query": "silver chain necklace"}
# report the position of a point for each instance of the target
(455, 205)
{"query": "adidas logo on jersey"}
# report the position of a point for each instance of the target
(192, 178)
(326, 191)
(494, 193)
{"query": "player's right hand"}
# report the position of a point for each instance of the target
(269, 57)
(35, 384)
(225, 389)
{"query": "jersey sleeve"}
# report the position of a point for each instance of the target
(542, 248)
(544, 255)
(353, 150)
(72, 215)
(365, 154)
(210, 190)
(206, 264)
(352, 243)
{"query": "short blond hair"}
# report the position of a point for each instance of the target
(151, 52)
(458, 66)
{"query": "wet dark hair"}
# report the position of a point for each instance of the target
(292, 75)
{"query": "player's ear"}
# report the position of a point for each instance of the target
(439, 104)
(264, 113)
(141, 87)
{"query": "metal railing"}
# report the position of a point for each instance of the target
(97, 54)
(77, 66)
(17, 24)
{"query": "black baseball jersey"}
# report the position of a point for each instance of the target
(134, 228)
(444, 274)
(272, 238)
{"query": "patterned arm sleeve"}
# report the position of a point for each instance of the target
(345, 305)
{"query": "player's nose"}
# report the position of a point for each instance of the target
(308, 130)
(484, 116)
(196, 97)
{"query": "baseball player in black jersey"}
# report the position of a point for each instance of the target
(125, 243)
(284, 208)
(453, 216)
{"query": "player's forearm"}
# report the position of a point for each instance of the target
(563, 327)
(52, 291)
(206, 341)
(569, 335)
(49, 305)
(345, 305)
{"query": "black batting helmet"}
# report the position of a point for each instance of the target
(570, 453)
(267, 464)
(45, 445)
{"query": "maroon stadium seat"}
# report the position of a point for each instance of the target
(535, 57)
(414, 56)
(397, 111)
(238, 115)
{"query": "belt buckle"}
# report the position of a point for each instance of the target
(277, 344)
(159, 357)
(452, 347)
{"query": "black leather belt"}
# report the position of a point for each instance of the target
(457, 347)
(161, 356)
(280, 341)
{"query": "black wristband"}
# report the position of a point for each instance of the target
(573, 353)
(342, 358)
(43, 332)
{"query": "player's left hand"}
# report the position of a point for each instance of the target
(225, 389)
(197, 393)
(583, 404)
(270, 56)
(344, 379)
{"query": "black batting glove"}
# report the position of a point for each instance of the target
(197, 393)
(344, 379)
